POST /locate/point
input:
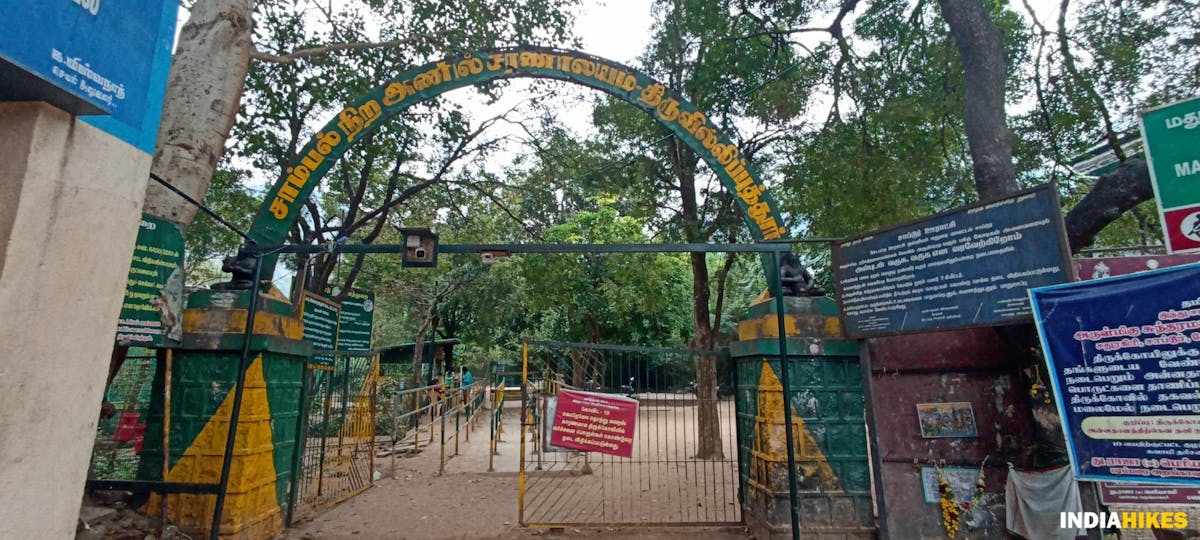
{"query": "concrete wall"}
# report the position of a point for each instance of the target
(977, 366)
(70, 202)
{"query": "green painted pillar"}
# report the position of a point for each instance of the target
(833, 478)
(203, 376)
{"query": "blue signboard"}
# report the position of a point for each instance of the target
(92, 56)
(1124, 358)
(967, 267)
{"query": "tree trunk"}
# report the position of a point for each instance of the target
(708, 419)
(980, 42)
(427, 325)
(204, 92)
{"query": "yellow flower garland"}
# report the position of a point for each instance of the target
(952, 510)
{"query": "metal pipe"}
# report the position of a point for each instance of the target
(876, 462)
(235, 414)
(784, 379)
(444, 399)
(300, 442)
(760, 247)
(374, 375)
(201, 206)
(395, 427)
(457, 410)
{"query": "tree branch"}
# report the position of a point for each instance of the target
(1110, 134)
(1112, 195)
(339, 47)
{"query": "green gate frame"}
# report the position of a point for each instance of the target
(282, 204)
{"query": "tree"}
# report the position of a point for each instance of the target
(976, 35)
(217, 44)
(696, 52)
(206, 240)
(622, 298)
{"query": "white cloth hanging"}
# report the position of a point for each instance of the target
(1034, 501)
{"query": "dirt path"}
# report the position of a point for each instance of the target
(465, 502)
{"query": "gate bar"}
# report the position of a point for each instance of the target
(622, 348)
(787, 402)
(299, 442)
(235, 414)
(759, 247)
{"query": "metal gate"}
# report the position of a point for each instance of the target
(336, 460)
(675, 476)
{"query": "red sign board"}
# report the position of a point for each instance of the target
(1114, 493)
(593, 422)
(1182, 226)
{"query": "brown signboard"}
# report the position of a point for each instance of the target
(1105, 267)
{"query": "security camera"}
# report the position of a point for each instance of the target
(420, 247)
(489, 257)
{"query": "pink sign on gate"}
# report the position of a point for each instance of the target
(594, 422)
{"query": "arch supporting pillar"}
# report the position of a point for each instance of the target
(829, 439)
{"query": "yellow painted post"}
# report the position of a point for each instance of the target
(166, 443)
(373, 423)
(521, 475)
(457, 413)
(416, 401)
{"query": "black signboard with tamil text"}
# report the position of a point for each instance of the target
(321, 327)
(358, 317)
(969, 266)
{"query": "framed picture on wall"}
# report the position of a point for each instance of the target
(943, 420)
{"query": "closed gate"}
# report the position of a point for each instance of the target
(683, 467)
(336, 460)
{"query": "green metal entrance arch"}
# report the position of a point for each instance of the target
(282, 205)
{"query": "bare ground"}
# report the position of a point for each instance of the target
(464, 502)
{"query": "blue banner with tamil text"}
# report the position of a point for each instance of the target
(1124, 359)
(113, 55)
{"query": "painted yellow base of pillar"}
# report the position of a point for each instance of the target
(769, 451)
(251, 506)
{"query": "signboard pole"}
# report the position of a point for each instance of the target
(793, 500)
(524, 398)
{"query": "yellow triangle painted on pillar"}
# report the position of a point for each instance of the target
(770, 441)
(251, 505)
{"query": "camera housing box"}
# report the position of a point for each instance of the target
(490, 257)
(420, 247)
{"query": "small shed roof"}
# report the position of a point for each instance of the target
(403, 353)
